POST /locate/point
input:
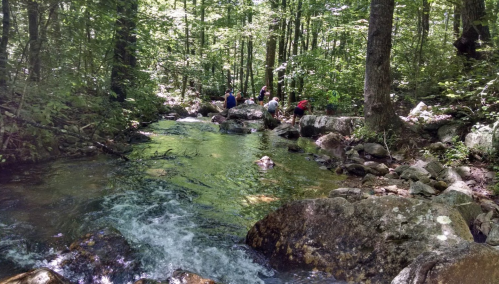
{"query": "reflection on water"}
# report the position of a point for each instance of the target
(185, 201)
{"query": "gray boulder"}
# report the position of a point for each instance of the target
(312, 125)
(36, 276)
(493, 237)
(378, 169)
(434, 168)
(375, 150)
(480, 138)
(416, 174)
(205, 108)
(356, 169)
(462, 202)
(330, 141)
(466, 263)
(419, 188)
(460, 186)
(247, 112)
(287, 130)
(235, 127)
(449, 175)
(350, 194)
(369, 241)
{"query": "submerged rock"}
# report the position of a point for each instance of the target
(103, 254)
(186, 277)
(36, 276)
(369, 240)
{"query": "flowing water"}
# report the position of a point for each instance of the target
(184, 201)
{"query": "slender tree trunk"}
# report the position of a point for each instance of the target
(186, 52)
(271, 48)
(282, 52)
(475, 28)
(293, 96)
(4, 75)
(124, 60)
(201, 34)
(241, 67)
(34, 41)
(457, 21)
(378, 110)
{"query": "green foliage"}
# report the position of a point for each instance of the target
(389, 137)
(457, 154)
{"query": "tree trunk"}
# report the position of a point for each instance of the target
(124, 60)
(271, 49)
(378, 110)
(282, 52)
(292, 96)
(4, 75)
(34, 41)
(457, 21)
(186, 52)
(475, 28)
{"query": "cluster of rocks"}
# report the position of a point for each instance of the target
(245, 119)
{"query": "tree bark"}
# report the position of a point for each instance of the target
(292, 95)
(186, 55)
(124, 60)
(378, 110)
(34, 41)
(282, 52)
(475, 28)
(4, 75)
(271, 49)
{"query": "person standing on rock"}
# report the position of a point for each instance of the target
(274, 106)
(262, 95)
(230, 100)
(300, 110)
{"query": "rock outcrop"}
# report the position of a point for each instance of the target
(312, 125)
(467, 263)
(372, 239)
(36, 276)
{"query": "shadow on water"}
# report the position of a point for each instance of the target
(185, 201)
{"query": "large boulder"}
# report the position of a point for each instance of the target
(330, 141)
(480, 138)
(467, 263)
(247, 112)
(36, 276)
(312, 125)
(369, 240)
(416, 173)
(205, 108)
(375, 149)
(234, 127)
(253, 112)
(462, 202)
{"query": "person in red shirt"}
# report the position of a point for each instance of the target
(300, 110)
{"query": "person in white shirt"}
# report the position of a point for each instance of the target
(274, 106)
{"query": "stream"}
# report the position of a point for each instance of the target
(185, 201)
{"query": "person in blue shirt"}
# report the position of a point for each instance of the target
(261, 97)
(230, 100)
